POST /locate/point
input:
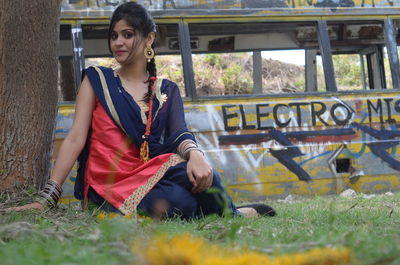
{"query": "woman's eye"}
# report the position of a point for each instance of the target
(114, 36)
(128, 35)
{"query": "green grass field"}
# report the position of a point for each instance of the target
(370, 227)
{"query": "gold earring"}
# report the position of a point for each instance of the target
(149, 53)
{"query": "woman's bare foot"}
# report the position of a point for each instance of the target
(31, 206)
(248, 212)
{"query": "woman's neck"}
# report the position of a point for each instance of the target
(133, 72)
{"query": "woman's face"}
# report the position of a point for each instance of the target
(126, 44)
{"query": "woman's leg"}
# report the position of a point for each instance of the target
(168, 199)
(212, 201)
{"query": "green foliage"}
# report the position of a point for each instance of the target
(231, 73)
(235, 81)
(215, 60)
(369, 227)
(348, 71)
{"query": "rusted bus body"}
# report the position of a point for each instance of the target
(320, 140)
(309, 145)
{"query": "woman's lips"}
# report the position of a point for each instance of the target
(119, 52)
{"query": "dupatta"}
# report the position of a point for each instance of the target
(168, 128)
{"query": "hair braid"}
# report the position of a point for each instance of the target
(144, 148)
(151, 69)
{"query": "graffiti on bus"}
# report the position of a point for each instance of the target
(277, 146)
(298, 132)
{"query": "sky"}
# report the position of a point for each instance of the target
(287, 56)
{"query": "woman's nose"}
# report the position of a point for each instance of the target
(118, 41)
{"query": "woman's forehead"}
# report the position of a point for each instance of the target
(122, 24)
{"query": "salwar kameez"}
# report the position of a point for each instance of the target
(110, 169)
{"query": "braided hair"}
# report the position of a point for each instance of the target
(141, 21)
(152, 70)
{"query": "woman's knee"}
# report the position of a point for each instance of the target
(168, 199)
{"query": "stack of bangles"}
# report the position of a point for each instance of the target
(50, 194)
(186, 146)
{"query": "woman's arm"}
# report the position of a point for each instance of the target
(73, 142)
(76, 138)
(199, 171)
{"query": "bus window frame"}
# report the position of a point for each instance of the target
(78, 53)
(391, 48)
(187, 63)
(186, 57)
(326, 54)
(324, 46)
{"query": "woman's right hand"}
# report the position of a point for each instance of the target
(30, 206)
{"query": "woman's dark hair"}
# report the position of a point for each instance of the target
(141, 21)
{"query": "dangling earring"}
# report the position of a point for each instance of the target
(148, 53)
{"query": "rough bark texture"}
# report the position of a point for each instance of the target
(28, 89)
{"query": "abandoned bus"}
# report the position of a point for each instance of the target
(269, 128)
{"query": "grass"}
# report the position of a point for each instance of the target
(370, 227)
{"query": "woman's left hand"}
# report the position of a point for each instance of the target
(199, 172)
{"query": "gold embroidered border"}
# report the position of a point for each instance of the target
(130, 204)
(158, 95)
(162, 98)
(108, 98)
(179, 136)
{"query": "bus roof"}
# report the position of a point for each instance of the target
(198, 9)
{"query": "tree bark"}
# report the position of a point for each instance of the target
(28, 89)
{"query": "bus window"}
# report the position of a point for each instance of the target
(101, 61)
(223, 73)
(168, 56)
(168, 61)
(170, 67)
(252, 58)
(348, 71)
(358, 55)
(283, 71)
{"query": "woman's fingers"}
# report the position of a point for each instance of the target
(200, 171)
(210, 179)
(204, 180)
(31, 206)
(191, 178)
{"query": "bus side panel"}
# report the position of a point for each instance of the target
(276, 146)
(272, 147)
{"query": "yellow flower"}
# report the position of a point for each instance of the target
(187, 250)
(104, 215)
(180, 250)
(317, 256)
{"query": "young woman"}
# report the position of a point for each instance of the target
(130, 137)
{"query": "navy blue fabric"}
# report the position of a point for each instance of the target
(168, 124)
(175, 187)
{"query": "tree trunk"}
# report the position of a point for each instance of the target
(28, 89)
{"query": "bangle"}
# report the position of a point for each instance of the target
(186, 155)
(50, 194)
